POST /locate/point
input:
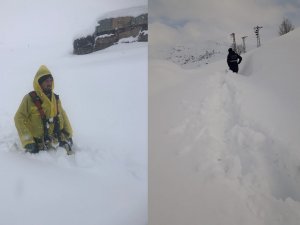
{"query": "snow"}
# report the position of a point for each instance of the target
(191, 56)
(105, 97)
(128, 40)
(133, 11)
(224, 147)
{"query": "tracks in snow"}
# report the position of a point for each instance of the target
(221, 141)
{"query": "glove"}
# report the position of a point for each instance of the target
(70, 141)
(31, 148)
(63, 143)
(67, 146)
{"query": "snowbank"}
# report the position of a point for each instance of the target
(105, 97)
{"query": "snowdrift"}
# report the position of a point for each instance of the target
(224, 147)
(105, 97)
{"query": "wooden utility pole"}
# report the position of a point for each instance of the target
(234, 43)
(256, 31)
(244, 43)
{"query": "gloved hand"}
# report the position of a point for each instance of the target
(70, 140)
(32, 148)
(66, 145)
(63, 143)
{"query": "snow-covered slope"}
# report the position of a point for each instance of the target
(105, 97)
(224, 147)
(191, 56)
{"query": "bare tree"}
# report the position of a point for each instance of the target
(285, 27)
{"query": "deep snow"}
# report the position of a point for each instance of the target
(105, 97)
(224, 147)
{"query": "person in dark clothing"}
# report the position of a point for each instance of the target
(233, 59)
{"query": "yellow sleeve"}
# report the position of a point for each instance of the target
(21, 121)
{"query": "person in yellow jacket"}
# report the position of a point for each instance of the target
(42, 127)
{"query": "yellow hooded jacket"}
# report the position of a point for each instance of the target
(28, 120)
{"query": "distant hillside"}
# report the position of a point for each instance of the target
(195, 56)
(190, 56)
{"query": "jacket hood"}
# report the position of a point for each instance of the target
(43, 71)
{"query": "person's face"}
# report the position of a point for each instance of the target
(47, 85)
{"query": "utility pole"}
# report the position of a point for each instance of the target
(244, 43)
(234, 43)
(256, 31)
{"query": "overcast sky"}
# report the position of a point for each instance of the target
(190, 21)
(33, 21)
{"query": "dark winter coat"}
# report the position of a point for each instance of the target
(233, 59)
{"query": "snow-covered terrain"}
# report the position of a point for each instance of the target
(191, 56)
(224, 147)
(105, 97)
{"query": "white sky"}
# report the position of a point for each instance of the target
(173, 21)
(33, 21)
